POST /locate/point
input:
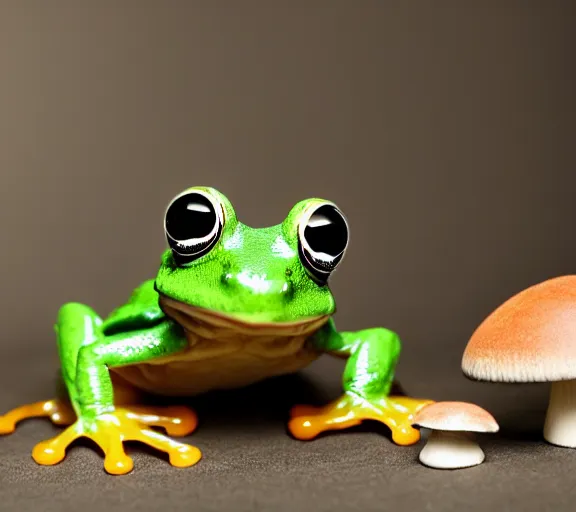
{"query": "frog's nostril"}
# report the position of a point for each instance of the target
(226, 279)
(287, 290)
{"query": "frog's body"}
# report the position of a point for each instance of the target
(231, 305)
(221, 354)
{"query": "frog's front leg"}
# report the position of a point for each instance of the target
(86, 356)
(371, 355)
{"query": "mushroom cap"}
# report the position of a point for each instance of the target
(455, 417)
(529, 338)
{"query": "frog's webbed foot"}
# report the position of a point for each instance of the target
(397, 412)
(59, 411)
(110, 430)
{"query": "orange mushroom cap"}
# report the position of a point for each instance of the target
(455, 416)
(529, 338)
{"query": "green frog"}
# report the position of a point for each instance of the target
(231, 305)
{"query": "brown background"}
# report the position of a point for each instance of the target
(444, 131)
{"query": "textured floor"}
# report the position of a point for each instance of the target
(250, 463)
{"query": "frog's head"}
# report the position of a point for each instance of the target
(215, 265)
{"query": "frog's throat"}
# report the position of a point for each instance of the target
(191, 317)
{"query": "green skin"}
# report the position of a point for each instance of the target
(139, 331)
(249, 276)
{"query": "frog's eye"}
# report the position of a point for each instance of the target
(323, 238)
(193, 224)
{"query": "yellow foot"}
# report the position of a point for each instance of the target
(109, 431)
(397, 412)
(58, 411)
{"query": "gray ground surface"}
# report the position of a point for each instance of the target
(250, 463)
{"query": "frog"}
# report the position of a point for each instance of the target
(231, 305)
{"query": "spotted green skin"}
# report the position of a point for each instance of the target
(251, 274)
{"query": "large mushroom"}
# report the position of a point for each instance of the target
(532, 338)
(451, 443)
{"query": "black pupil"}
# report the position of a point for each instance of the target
(190, 216)
(326, 231)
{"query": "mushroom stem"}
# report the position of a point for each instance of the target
(560, 425)
(451, 450)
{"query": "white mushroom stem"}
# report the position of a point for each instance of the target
(451, 450)
(560, 425)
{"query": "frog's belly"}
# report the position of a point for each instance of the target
(191, 374)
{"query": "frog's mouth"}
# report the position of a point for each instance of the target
(190, 317)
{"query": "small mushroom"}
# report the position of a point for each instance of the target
(532, 338)
(451, 443)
